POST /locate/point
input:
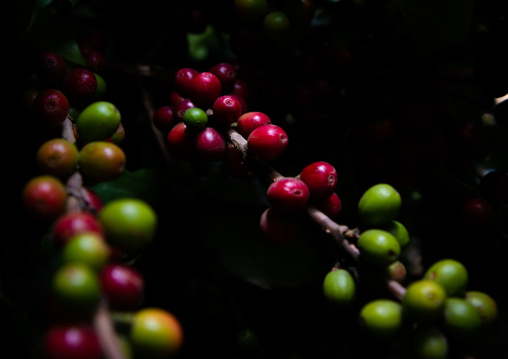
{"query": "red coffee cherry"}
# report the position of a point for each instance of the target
(330, 206)
(227, 109)
(175, 98)
(180, 140)
(182, 81)
(71, 223)
(267, 142)
(226, 73)
(321, 178)
(96, 59)
(180, 108)
(288, 195)
(50, 67)
(241, 88)
(44, 197)
(278, 228)
(71, 341)
(242, 101)
(205, 89)
(50, 107)
(210, 144)
(122, 286)
(92, 200)
(163, 119)
(249, 121)
(79, 84)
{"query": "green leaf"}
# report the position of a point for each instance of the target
(235, 239)
(436, 24)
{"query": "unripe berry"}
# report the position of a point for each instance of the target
(71, 341)
(399, 231)
(379, 205)
(205, 89)
(288, 195)
(321, 178)
(451, 274)
(251, 11)
(267, 142)
(424, 300)
(249, 121)
(58, 157)
(429, 343)
(195, 118)
(381, 317)
(50, 107)
(44, 197)
(101, 161)
(88, 248)
(339, 287)
(98, 121)
(485, 304)
(122, 286)
(378, 247)
(79, 85)
(461, 318)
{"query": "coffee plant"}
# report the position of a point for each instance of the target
(255, 179)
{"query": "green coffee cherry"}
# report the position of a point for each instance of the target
(128, 223)
(429, 343)
(339, 287)
(399, 231)
(379, 205)
(378, 247)
(461, 318)
(76, 286)
(451, 274)
(88, 248)
(195, 118)
(381, 317)
(101, 87)
(424, 300)
(97, 122)
(485, 304)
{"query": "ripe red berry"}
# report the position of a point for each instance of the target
(44, 197)
(242, 101)
(249, 121)
(180, 140)
(227, 109)
(321, 178)
(71, 341)
(267, 142)
(96, 59)
(182, 81)
(241, 88)
(205, 89)
(180, 108)
(210, 144)
(163, 119)
(330, 206)
(278, 228)
(122, 286)
(92, 200)
(174, 98)
(71, 223)
(288, 195)
(50, 107)
(226, 73)
(79, 84)
(50, 67)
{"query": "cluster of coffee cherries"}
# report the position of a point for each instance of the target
(90, 241)
(436, 308)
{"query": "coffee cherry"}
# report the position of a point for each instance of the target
(79, 85)
(57, 157)
(429, 343)
(93, 201)
(181, 139)
(381, 317)
(226, 73)
(267, 142)
(98, 121)
(477, 213)
(330, 206)
(321, 178)
(88, 248)
(339, 287)
(378, 247)
(155, 333)
(182, 81)
(44, 197)
(249, 121)
(242, 101)
(379, 205)
(241, 88)
(251, 11)
(276, 25)
(396, 271)
(278, 228)
(461, 318)
(227, 110)
(118, 136)
(195, 118)
(424, 300)
(50, 68)
(399, 231)
(72, 223)
(451, 274)
(71, 341)
(175, 98)
(288, 195)
(50, 108)
(101, 161)
(76, 286)
(205, 89)
(180, 109)
(128, 223)
(163, 119)
(96, 59)
(122, 286)
(484, 304)
(210, 145)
